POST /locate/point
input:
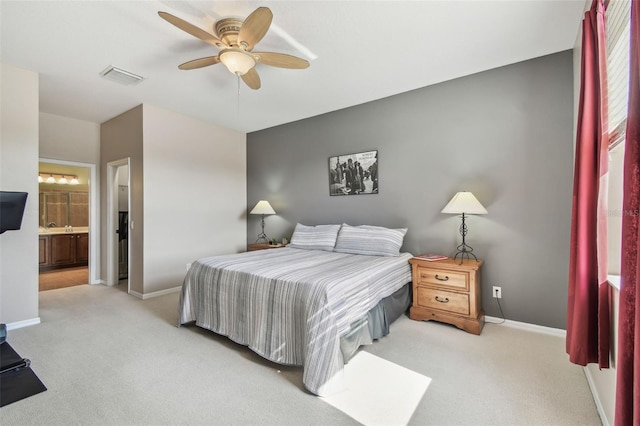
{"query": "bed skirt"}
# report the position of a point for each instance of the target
(376, 324)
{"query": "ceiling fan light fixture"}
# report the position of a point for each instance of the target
(237, 61)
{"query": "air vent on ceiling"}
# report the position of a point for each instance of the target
(121, 76)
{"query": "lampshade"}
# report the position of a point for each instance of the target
(263, 207)
(74, 181)
(51, 179)
(237, 61)
(464, 202)
(63, 180)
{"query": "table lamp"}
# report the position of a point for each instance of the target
(464, 203)
(263, 207)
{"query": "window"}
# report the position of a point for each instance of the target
(618, 22)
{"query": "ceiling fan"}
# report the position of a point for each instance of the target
(236, 39)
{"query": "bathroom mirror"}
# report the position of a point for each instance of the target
(59, 209)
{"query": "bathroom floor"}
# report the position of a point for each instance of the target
(52, 280)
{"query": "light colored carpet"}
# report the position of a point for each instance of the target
(109, 358)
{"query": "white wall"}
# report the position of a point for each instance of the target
(68, 139)
(18, 172)
(194, 194)
(78, 141)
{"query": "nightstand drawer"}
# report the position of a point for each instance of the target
(443, 278)
(445, 300)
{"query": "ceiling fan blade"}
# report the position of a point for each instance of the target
(280, 60)
(252, 79)
(191, 29)
(254, 27)
(200, 63)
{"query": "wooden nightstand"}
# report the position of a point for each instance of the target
(448, 292)
(262, 246)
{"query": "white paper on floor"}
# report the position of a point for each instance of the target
(380, 392)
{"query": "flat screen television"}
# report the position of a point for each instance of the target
(11, 210)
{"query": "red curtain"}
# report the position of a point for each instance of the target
(628, 367)
(588, 305)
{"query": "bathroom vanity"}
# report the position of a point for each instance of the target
(61, 248)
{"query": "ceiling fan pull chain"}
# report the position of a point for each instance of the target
(238, 103)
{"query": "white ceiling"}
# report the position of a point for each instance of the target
(359, 51)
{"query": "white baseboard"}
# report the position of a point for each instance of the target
(526, 326)
(25, 323)
(596, 396)
(155, 293)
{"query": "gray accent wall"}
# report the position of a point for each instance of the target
(505, 134)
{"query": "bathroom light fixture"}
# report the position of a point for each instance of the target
(263, 207)
(464, 203)
(58, 178)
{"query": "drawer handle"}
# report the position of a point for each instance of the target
(445, 300)
(446, 278)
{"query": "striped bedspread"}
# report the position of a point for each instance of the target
(289, 305)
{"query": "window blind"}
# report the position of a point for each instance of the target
(618, 21)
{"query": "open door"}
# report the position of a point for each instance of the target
(89, 179)
(118, 235)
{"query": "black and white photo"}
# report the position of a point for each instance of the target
(354, 174)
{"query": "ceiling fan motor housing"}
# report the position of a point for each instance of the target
(227, 30)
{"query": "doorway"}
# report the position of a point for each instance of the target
(68, 202)
(118, 223)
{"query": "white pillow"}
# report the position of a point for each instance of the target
(370, 240)
(319, 237)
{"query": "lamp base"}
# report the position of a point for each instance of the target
(464, 250)
(261, 237)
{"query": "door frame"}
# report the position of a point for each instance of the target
(94, 215)
(112, 222)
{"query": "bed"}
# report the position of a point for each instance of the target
(303, 304)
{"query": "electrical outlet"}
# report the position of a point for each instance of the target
(188, 266)
(497, 292)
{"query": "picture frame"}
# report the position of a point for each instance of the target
(354, 174)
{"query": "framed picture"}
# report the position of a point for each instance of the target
(354, 174)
